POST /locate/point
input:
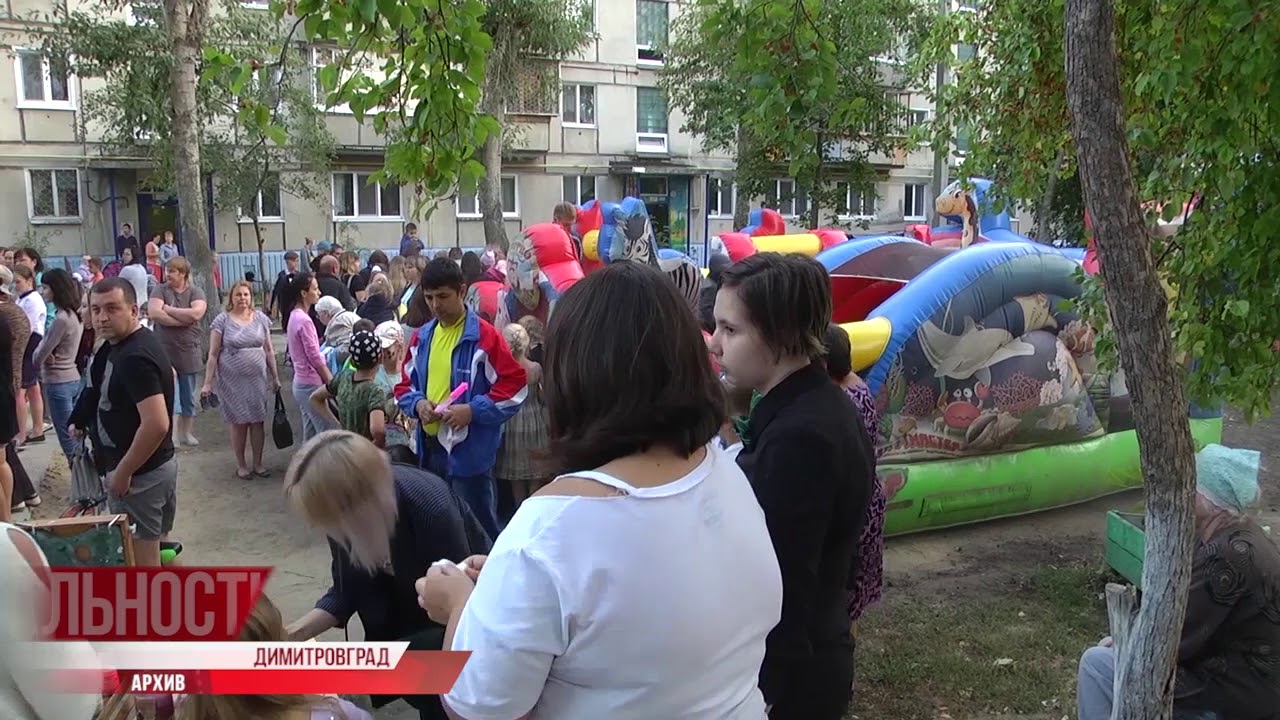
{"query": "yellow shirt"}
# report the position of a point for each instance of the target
(440, 365)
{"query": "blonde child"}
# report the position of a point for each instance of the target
(525, 436)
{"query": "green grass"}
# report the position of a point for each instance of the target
(924, 659)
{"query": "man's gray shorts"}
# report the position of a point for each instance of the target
(152, 501)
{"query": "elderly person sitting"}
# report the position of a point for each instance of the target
(1229, 656)
(338, 322)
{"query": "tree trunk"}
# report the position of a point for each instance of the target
(1045, 212)
(185, 21)
(742, 203)
(490, 193)
(1146, 660)
(262, 260)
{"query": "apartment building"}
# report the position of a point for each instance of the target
(607, 134)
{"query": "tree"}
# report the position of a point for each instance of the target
(782, 84)
(1175, 66)
(523, 31)
(258, 129)
(428, 58)
(1148, 650)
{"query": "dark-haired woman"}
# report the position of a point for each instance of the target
(56, 354)
(811, 465)
(641, 582)
(866, 576)
(310, 371)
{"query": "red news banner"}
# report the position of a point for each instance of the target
(174, 630)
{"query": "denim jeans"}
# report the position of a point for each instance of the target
(184, 395)
(479, 492)
(61, 398)
(312, 422)
(1095, 688)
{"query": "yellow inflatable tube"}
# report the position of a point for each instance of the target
(868, 340)
(803, 243)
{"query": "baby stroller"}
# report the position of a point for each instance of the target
(89, 495)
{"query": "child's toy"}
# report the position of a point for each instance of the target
(458, 392)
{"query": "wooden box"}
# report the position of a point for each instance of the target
(94, 540)
(1126, 545)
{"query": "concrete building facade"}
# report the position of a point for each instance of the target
(608, 134)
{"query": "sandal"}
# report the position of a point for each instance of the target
(243, 474)
(34, 501)
(263, 473)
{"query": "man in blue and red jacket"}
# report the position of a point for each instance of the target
(460, 442)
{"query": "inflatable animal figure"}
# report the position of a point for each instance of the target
(638, 244)
(529, 291)
(959, 202)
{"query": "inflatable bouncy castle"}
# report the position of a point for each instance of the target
(766, 231)
(990, 398)
(613, 232)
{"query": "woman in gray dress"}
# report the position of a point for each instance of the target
(242, 368)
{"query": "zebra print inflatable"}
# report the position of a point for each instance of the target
(640, 245)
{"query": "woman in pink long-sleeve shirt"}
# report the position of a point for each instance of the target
(310, 371)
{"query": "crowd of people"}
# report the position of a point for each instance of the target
(675, 516)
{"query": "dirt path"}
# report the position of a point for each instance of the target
(226, 521)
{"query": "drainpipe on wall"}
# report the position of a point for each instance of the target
(111, 191)
(706, 220)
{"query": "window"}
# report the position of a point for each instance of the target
(40, 85)
(967, 5)
(720, 198)
(961, 140)
(651, 31)
(320, 59)
(913, 117)
(578, 189)
(651, 120)
(855, 204)
(578, 105)
(53, 196)
(787, 200)
(267, 204)
(468, 203)
(966, 51)
(355, 196)
(257, 4)
(143, 12)
(896, 52)
(913, 201)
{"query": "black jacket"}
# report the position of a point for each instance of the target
(812, 469)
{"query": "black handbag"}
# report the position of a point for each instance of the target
(281, 430)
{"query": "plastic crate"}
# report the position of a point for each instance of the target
(1126, 545)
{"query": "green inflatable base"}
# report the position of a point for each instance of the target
(946, 493)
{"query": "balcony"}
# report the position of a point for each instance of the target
(527, 134)
(847, 151)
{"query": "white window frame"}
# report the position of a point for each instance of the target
(358, 217)
(901, 46)
(57, 219)
(970, 6)
(577, 110)
(266, 219)
(341, 109)
(577, 184)
(22, 102)
(907, 190)
(642, 47)
(648, 142)
(256, 4)
(914, 116)
(717, 191)
(507, 213)
(793, 212)
(849, 204)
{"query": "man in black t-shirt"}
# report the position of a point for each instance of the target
(125, 407)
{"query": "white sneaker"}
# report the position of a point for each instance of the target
(190, 441)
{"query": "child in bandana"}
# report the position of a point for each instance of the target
(361, 400)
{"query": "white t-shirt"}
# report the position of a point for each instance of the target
(33, 304)
(651, 604)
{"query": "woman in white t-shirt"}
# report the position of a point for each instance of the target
(641, 583)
